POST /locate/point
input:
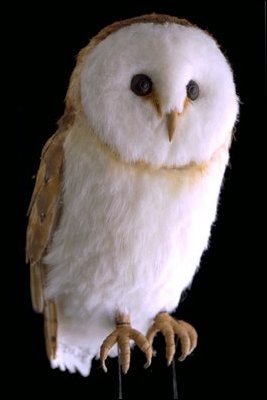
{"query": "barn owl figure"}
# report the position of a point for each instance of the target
(127, 190)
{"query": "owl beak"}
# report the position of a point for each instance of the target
(172, 118)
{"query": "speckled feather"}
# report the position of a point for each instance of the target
(43, 216)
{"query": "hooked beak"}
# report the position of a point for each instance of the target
(172, 118)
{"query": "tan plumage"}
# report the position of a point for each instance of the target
(43, 215)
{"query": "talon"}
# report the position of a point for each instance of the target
(147, 364)
(104, 367)
(170, 327)
(122, 335)
(105, 347)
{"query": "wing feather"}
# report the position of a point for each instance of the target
(44, 212)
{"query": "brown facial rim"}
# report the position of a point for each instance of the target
(149, 18)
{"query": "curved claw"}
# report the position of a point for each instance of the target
(185, 341)
(105, 347)
(123, 334)
(192, 333)
(151, 333)
(143, 345)
(168, 326)
(104, 367)
(170, 344)
(147, 364)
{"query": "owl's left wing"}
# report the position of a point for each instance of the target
(44, 212)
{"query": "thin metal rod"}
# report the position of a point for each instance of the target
(119, 376)
(174, 381)
(174, 376)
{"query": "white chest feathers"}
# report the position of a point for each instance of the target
(129, 234)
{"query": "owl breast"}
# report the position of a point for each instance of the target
(130, 238)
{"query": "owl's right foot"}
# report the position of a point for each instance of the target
(122, 335)
(170, 327)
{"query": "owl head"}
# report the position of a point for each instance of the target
(155, 89)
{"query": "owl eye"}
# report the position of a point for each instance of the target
(192, 90)
(141, 85)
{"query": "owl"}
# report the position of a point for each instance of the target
(127, 191)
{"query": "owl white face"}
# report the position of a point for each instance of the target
(146, 80)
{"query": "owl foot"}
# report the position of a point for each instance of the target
(122, 335)
(170, 327)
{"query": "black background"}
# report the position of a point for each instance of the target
(226, 300)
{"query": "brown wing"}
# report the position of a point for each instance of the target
(43, 216)
(43, 213)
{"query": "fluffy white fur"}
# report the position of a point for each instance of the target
(130, 239)
(171, 55)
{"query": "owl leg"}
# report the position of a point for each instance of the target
(170, 327)
(122, 335)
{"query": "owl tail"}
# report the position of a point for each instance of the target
(72, 359)
(61, 354)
